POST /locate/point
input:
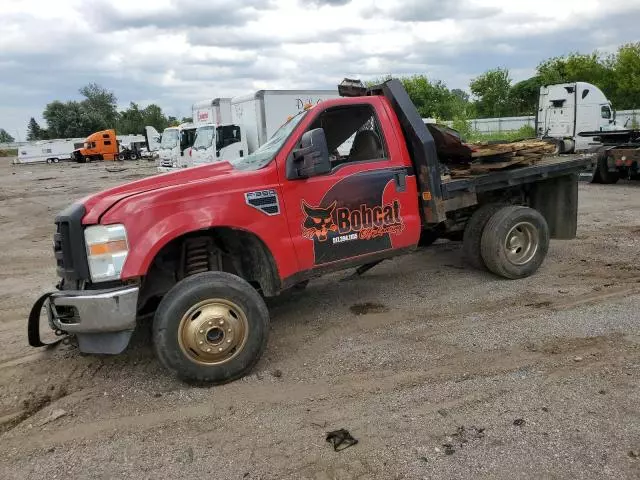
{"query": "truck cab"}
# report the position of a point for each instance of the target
(101, 145)
(174, 143)
(567, 109)
(214, 143)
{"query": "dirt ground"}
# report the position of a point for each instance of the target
(439, 371)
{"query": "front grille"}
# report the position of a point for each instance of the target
(166, 163)
(69, 247)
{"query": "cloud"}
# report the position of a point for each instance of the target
(177, 13)
(431, 10)
(176, 52)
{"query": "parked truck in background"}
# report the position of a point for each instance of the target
(260, 114)
(174, 142)
(200, 248)
(618, 155)
(566, 110)
(105, 145)
(216, 136)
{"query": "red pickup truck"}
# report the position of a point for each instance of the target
(347, 183)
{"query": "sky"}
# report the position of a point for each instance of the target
(177, 52)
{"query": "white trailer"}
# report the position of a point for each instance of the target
(49, 151)
(260, 114)
(566, 109)
(216, 111)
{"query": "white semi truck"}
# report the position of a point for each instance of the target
(567, 109)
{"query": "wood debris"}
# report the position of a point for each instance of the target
(498, 156)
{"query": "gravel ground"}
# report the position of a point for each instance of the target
(439, 371)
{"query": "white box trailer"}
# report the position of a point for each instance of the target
(49, 151)
(216, 111)
(260, 114)
(566, 109)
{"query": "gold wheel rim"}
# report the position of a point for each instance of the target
(213, 332)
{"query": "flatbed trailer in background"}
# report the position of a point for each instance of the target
(617, 157)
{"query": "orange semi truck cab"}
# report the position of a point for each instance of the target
(101, 145)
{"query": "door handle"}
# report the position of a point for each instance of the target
(401, 181)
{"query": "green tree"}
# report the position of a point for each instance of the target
(131, 121)
(34, 131)
(524, 97)
(492, 92)
(626, 69)
(99, 107)
(67, 120)
(154, 117)
(5, 137)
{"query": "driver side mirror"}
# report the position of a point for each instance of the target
(311, 158)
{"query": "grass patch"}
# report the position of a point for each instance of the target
(9, 153)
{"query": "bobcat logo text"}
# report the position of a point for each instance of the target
(363, 223)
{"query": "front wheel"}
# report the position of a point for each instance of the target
(211, 328)
(515, 242)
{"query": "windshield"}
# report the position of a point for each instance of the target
(169, 139)
(204, 137)
(263, 155)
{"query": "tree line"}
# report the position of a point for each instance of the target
(96, 111)
(492, 94)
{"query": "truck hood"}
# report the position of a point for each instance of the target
(97, 204)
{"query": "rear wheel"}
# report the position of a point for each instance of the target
(472, 236)
(211, 328)
(603, 170)
(56, 160)
(121, 157)
(515, 242)
(49, 160)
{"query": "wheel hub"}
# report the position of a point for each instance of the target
(521, 243)
(212, 332)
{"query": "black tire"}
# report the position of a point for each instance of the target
(135, 156)
(524, 260)
(190, 292)
(603, 170)
(472, 236)
(56, 160)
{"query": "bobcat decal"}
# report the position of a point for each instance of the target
(319, 222)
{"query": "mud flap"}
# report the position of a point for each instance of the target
(33, 326)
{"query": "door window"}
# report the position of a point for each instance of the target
(227, 135)
(353, 134)
(605, 111)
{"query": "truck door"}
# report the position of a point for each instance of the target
(367, 205)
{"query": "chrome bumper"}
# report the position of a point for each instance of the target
(102, 320)
(94, 311)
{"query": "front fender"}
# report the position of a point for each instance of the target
(146, 246)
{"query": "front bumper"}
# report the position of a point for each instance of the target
(102, 320)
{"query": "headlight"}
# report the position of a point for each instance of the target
(107, 249)
(175, 165)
